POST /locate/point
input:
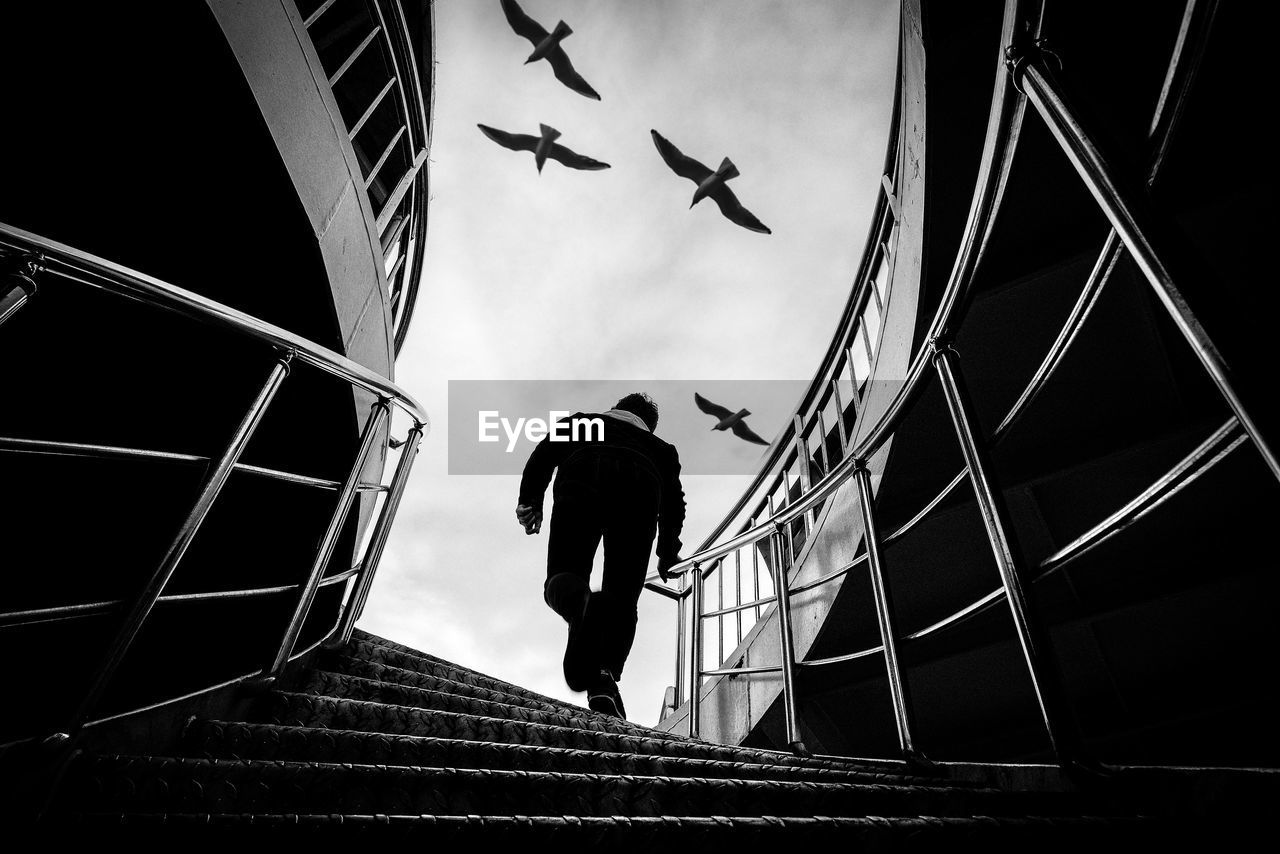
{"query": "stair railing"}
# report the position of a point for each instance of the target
(47, 262)
(1022, 69)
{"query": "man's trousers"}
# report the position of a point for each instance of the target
(599, 494)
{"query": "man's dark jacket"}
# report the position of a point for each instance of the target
(628, 441)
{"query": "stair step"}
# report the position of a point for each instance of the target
(310, 710)
(625, 833)
(412, 678)
(234, 740)
(330, 684)
(111, 783)
(380, 653)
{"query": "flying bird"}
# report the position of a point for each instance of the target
(547, 46)
(709, 183)
(728, 420)
(543, 146)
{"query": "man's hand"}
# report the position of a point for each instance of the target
(530, 518)
(665, 563)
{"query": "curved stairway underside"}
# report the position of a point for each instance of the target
(379, 738)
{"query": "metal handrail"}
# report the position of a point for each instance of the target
(62, 613)
(71, 264)
(1023, 66)
(79, 266)
(106, 452)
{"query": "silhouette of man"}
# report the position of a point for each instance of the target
(619, 484)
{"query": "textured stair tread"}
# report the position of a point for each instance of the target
(391, 674)
(915, 833)
(236, 740)
(310, 710)
(415, 679)
(146, 783)
(380, 650)
(325, 683)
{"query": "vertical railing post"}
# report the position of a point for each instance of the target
(1026, 67)
(695, 649)
(790, 714)
(680, 640)
(884, 615)
(19, 286)
(346, 496)
(146, 599)
(382, 531)
(1045, 676)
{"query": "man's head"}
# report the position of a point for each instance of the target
(642, 405)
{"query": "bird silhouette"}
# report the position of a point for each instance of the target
(547, 46)
(728, 420)
(709, 183)
(543, 146)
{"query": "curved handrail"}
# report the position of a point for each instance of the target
(1186, 471)
(1019, 25)
(87, 269)
(1004, 123)
(108, 452)
(67, 263)
(61, 613)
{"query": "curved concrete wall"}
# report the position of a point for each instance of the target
(731, 706)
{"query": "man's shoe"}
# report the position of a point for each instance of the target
(604, 696)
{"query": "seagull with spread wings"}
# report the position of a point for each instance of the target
(709, 183)
(547, 46)
(728, 420)
(542, 146)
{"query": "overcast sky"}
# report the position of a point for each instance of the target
(574, 275)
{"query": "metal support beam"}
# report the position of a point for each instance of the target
(884, 614)
(377, 415)
(1032, 636)
(695, 648)
(369, 566)
(1126, 212)
(789, 709)
(146, 599)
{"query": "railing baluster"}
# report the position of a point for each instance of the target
(755, 574)
(146, 598)
(720, 619)
(737, 583)
(884, 615)
(840, 429)
(369, 566)
(786, 641)
(1026, 68)
(377, 416)
(1032, 636)
(680, 642)
(695, 647)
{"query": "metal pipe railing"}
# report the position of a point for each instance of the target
(369, 566)
(377, 415)
(695, 650)
(1022, 20)
(1130, 221)
(898, 692)
(108, 452)
(73, 265)
(786, 641)
(155, 584)
(1033, 638)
